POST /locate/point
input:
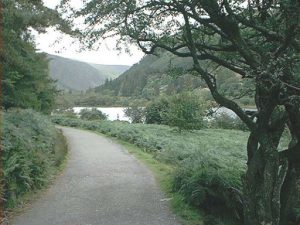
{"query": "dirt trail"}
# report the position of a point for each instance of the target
(101, 185)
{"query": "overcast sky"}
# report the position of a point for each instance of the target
(67, 48)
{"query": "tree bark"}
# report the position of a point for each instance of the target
(261, 184)
(266, 172)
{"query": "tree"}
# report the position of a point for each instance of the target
(26, 83)
(257, 40)
(154, 111)
(135, 113)
(186, 112)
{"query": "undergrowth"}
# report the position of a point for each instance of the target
(33, 149)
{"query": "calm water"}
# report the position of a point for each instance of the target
(117, 113)
(113, 113)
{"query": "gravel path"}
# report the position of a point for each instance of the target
(101, 185)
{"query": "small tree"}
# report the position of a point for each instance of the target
(135, 113)
(154, 111)
(93, 114)
(185, 112)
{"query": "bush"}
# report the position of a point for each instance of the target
(135, 113)
(92, 114)
(225, 121)
(210, 185)
(30, 153)
(67, 112)
(155, 110)
(186, 112)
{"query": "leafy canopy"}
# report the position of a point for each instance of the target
(25, 82)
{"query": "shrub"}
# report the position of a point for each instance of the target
(210, 185)
(92, 114)
(186, 112)
(155, 110)
(30, 152)
(135, 113)
(67, 112)
(225, 121)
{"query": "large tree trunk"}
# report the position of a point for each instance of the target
(289, 193)
(262, 186)
(266, 171)
(272, 180)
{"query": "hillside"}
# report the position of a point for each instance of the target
(169, 74)
(111, 71)
(152, 76)
(80, 76)
(164, 74)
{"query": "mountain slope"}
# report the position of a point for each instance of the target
(111, 71)
(168, 74)
(154, 75)
(80, 76)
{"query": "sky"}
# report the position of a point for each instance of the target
(56, 43)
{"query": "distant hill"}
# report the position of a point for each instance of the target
(111, 71)
(80, 76)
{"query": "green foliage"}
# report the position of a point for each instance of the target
(26, 83)
(135, 113)
(30, 152)
(155, 110)
(186, 112)
(67, 113)
(225, 121)
(92, 114)
(152, 76)
(91, 98)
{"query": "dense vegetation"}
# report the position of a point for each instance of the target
(186, 111)
(26, 83)
(92, 114)
(33, 150)
(167, 74)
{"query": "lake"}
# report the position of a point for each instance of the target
(113, 113)
(117, 113)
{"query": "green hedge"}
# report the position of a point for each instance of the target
(33, 148)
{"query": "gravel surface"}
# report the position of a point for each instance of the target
(101, 185)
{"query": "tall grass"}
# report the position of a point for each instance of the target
(32, 150)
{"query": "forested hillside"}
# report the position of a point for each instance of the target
(151, 76)
(80, 76)
(166, 73)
